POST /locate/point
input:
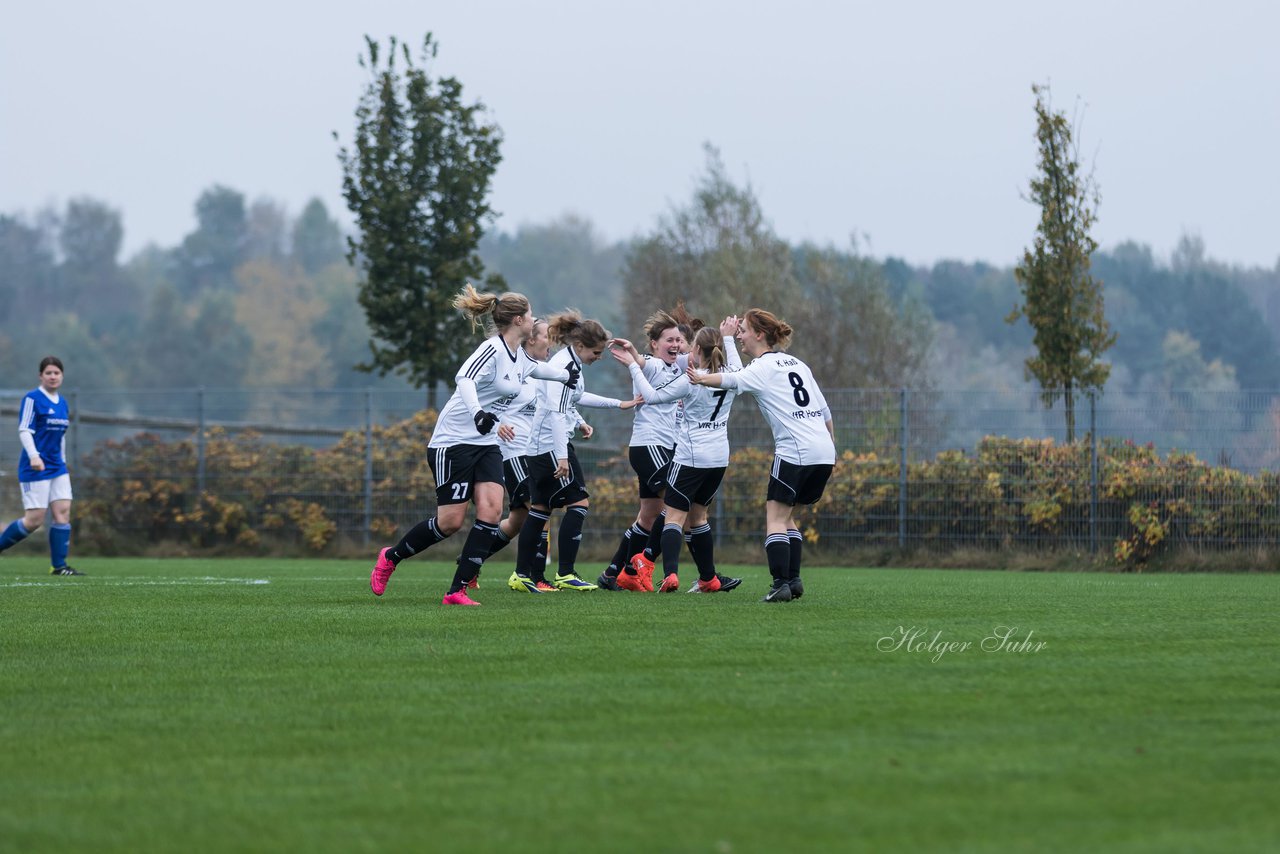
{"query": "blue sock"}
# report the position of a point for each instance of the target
(15, 533)
(59, 544)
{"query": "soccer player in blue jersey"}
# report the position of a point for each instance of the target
(42, 468)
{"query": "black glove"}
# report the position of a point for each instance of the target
(574, 373)
(485, 421)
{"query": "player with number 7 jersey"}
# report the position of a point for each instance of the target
(701, 452)
(803, 438)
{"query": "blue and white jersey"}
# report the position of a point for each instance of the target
(702, 433)
(46, 419)
(498, 374)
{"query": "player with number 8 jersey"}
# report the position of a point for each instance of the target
(804, 447)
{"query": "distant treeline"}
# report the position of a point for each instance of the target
(257, 297)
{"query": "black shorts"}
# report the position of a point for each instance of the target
(689, 485)
(553, 492)
(792, 484)
(516, 473)
(650, 463)
(459, 468)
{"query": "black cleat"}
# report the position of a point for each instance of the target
(64, 570)
(797, 588)
(727, 583)
(779, 592)
(607, 581)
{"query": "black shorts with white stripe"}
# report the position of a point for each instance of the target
(457, 469)
(650, 463)
(792, 484)
(546, 490)
(515, 472)
(689, 485)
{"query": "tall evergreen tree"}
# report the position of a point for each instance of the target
(416, 181)
(317, 239)
(1060, 298)
(209, 255)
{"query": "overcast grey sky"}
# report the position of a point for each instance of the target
(909, 123)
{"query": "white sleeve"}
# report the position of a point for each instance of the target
(677, 389)
(563, 419)
(753, 379)
(543, 371)
(467, 391)
(729, 379)
(731, 355)
(597, 401)
(28, 441)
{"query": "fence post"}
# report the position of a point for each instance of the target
(1093, 474)
(368, 463)
(200, 441)
(902, 469)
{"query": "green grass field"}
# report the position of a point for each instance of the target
(249, 705)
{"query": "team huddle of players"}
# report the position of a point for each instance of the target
(509, 424)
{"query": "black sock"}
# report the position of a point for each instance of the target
(671, 537)
(500, 542)
(421, 537)
(540, 559)
(530, 536)
(570, 537)
(797, 543)
(634, 534)
(474, 551)
(777, 548)
(653, 549)
(702, 545)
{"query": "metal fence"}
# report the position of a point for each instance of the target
(918, 468)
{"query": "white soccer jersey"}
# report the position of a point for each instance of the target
(702, 433)
(499, 374)
(557, 417)
(655, 424)
(658, 424)
(519, 417)
(792, 403)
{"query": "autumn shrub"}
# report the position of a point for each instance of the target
(1006, 493)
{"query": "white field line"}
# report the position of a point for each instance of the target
(139, 582)
(162, 581)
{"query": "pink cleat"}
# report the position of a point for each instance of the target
(381, 573)
(459, 598)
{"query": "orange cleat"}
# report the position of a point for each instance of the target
(630, 581)
(644, 568)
